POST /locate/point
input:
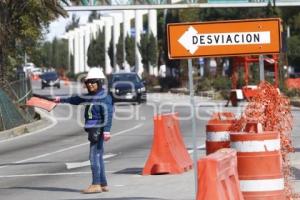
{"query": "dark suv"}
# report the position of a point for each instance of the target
(50, 79)
(127, 87)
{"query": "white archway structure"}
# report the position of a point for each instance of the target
(80, 38)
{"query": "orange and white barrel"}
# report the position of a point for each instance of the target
(259, 165)
(217, 136)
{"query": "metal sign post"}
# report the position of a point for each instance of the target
(261, 68)
(192, 101)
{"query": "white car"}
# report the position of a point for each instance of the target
(36, 71)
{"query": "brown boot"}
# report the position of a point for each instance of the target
(104, 189)
(92, 189)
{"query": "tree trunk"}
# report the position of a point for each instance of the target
(220, 64)
(2, 71)
(207, 68)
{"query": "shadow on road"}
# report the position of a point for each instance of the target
(296, 172)
(130, 171)
(297, 149)
(52, 189)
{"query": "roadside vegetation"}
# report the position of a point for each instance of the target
(156, 55)
(23, 25)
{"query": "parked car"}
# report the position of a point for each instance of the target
(127, 87)
(36, 71)
(50, 79)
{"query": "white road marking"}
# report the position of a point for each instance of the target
(47, 154)
(72, 147)
(119, 185)
(74, 165)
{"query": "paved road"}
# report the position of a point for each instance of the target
(52, 163)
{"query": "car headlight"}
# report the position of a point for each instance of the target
(142, 89)
(113, 90)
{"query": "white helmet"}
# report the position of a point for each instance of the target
(95, 73)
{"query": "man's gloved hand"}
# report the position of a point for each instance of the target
(106, 136)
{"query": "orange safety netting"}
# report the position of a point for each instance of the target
(293, 83)
(273, 111)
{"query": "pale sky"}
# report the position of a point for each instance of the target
(57, 28)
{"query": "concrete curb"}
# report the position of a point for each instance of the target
(27, 128)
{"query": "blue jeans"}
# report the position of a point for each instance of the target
(97, 163)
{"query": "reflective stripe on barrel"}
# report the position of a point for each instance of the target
(262, 185)
(256, 146)
(217, 135)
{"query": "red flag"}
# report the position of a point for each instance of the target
(41, 103)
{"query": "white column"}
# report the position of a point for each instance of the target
(93, 28)
(138, 30)
(87, 41)
(107, 33)
(81, 49)
(70, 38)
(71, 42)
(152, 27)
(152, 22)
(127, 16)
(76, 51)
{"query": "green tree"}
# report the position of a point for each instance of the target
(120, 51)
(96, 51)
(55, 53)
(94, 15)
(143, 48)
(42, 54)
(74, 23)
(130, 50)
(294, 50)
(21, 25)
(152, 49)
(47, 54)
(189, 15)
(291, 19)
(92, 54)
(51, 54)
(171, 16)
(148, 50)
(60, 53)
(110, 52)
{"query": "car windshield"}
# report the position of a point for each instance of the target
(125, 77)
(50, 76)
